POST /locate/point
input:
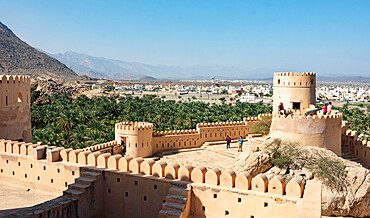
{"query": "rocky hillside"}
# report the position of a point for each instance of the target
(345, 184)
(17, 57)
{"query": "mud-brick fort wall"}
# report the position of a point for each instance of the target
(295, 90)
(116, 186)
(350, 141)
(15, 119)
(140, 140)
(319, 131)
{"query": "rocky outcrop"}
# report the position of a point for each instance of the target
(354, 199)
(349, 195)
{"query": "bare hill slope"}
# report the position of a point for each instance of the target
(17, 57)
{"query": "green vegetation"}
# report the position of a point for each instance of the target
(262, 126)
(328, 169)
(357, 120)
(80, 122)
(360, 104)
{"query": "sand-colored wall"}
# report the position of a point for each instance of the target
(359, 149)
(51, 175)
(141, 141)
(136, 187)
(294, 87)
(320, 131)
(15, 115)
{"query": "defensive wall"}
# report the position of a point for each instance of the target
(141, 141)
(297, 91)
(15, 119)
(106, 185)
(359, 148)
(320, 130)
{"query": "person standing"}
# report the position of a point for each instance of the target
(329, 108)
(325, 108)
(228, 141)
(240, 139)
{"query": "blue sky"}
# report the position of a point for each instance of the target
(328, 37)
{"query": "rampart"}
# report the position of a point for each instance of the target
(141, 141)
(295, 90)
(322, 131)
(359, 148)
(15, 119)
(116, 186)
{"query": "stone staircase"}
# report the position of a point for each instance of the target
(175, 202)
(346, 154)
(82, 184)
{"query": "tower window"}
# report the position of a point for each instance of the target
(20, 97)
(6, 100)
(278, 81)
(311, 81)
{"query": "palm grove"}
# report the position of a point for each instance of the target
(63, 121)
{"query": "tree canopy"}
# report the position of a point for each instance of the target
(63, 121)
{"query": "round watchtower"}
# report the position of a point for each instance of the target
(15, 114)
(137, 138)
(297, 91)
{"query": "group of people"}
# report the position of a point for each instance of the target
(240, 140)
(326, 108)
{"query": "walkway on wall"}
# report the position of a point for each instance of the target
(346, 154)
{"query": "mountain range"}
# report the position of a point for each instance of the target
(99, 67)
(17, 57)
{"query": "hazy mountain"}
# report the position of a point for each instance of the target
(17, 57)
(99, 67)
(361, 79)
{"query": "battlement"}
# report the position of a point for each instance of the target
(175, 132)
(309, 117)
(220, 124)
(304, 80)
(101, 146)
(160, 169)
(134, 126)
(10, 79)
(294, 74)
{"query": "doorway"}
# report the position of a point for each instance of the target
(296, 106)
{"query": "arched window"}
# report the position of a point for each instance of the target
(278, 81)
(20, 97)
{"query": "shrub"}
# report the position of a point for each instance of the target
(284, 154)
(262, 126)
(329, 170)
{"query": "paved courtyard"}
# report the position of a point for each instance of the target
(212, 156)
(15, 196)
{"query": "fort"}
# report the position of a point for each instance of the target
(102, 181)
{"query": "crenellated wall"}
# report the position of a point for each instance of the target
(321, 131)
(359, 148)
(141, 141)
(15, 114)
(134, 187)
(294, 87)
